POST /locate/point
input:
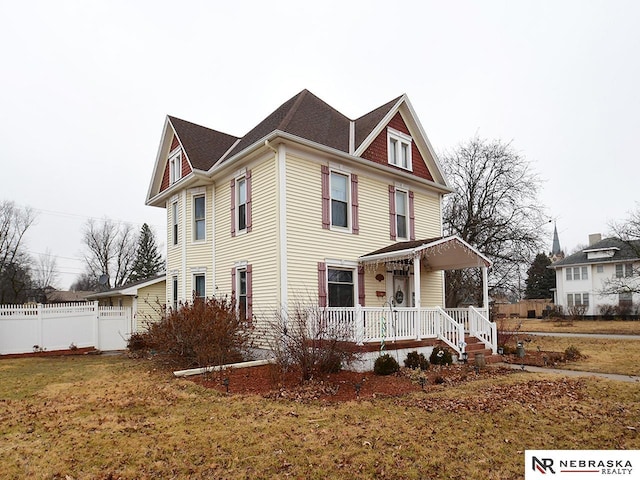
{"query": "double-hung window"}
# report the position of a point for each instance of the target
(339, 200)
(340, 283)
(174, 219)
(174, 292)
(241, 204)
(199, 218)
(175, 166)
(199, 286)
(241, 187)
(242, 292)
(624, 270)
(402, 214)
(399, 149)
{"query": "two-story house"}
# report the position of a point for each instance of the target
(583, 278)
(310, 206)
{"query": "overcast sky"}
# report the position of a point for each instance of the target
(86, 85)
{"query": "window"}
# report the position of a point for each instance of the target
(568, 272)
(241, 290)
(199, 286)
(578, 299)
(600, 268)
(340, 284)
(585, 274)
(242, 203)
(339, 200)
(174, 214)
(175, 167)
(174, 293)
(578, 273)
(401, 214)
(625, 300)
(624, 270)
(199, 218)
(399, 149)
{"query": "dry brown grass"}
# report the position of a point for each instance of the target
(578, 326)
(112, 417)
(602, 355)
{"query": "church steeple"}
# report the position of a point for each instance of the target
(556, 252)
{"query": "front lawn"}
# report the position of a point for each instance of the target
(113, 417)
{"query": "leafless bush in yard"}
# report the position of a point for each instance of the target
(312, 340)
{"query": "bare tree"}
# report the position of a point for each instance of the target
(111, 250)
(626, 281)
(45, 273)
(15, 275)
(495, 208)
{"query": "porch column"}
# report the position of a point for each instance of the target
(485, 289)
(416, 280)
(416, 292)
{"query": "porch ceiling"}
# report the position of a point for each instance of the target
(448, 253)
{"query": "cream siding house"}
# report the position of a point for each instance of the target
(313, 207)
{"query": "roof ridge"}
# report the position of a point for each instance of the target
(294, 108)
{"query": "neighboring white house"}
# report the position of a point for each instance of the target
(582, 277)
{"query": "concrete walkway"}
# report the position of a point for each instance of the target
(572, 373)
(583, 335)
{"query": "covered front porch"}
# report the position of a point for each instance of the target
(402, 274)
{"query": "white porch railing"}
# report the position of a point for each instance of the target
(375, 324)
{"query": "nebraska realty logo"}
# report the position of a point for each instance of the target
(577, 464)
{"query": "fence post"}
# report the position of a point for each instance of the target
(40, 317)
(416, 325)
(96, 325)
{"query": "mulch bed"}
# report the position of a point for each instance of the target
(53, 353)
(268, 382)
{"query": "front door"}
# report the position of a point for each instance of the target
(401, 291)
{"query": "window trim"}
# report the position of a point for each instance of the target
(236, 280)
(400, 139)
(175, 166)
(195, 285)
(242, 180)
(196, 219)
(348, 202)
(175, 229)
(174, 293)
(405, 194)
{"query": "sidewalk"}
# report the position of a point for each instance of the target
(572, 373)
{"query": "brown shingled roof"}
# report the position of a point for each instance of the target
(202, 145)
(305, 116)
(366, 123)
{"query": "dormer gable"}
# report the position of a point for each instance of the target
(391, 135)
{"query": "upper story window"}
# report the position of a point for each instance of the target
(402, 210)
(241, 204)
(199, 218)
(339, 200)
(174, 219)
(175, 166)
(399, 149)
(577, 273)
(624, 270)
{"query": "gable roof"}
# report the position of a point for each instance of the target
(304, 116)
(203, 146)
(624, 251)
(130, 289)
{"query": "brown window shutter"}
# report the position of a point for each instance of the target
(412, 218)
(233, 284)
(233, 208)
(355, 225)
(249, 201)
(249, 292)
(361, 285)
(392, 212)
(322, 284)
(326, 197)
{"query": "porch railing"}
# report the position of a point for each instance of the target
(375, 324)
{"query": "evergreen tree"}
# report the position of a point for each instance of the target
(148, 262)
(540, 279)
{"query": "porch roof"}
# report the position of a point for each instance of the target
(440, 253)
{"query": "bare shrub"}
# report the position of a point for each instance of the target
(201, 333)
(312, 340)
(577, 312)
(507, 333)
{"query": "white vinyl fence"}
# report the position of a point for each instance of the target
(28, 328)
